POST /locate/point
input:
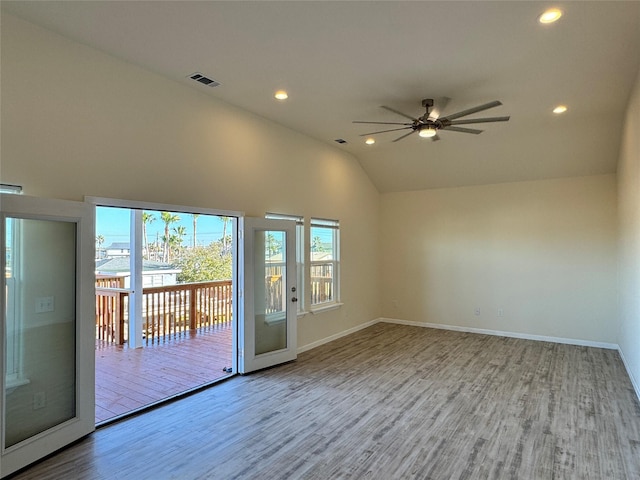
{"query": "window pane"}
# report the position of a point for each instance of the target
(324, 261)
(299, 253)
(322, 244)
(322, 283)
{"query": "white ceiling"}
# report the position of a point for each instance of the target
(340, 61)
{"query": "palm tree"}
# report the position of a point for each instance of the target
(195, 220)
(225, 221)
(168, 218)
(176, 239)
(316, 245)
(146, 218)
(99, 242)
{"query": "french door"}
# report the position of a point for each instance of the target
(269, 310)
(47, 334)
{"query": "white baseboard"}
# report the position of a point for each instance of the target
(500, 333)
(634, 382)
(331, 338)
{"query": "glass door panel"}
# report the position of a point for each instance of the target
(47, 342)
(41, 333)
(269, 313)
(270, 305)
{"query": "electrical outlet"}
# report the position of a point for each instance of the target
(39, 400)
(477, 311)
(395, 303)
(501, 312)
(44, 304)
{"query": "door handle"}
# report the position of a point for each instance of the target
(294, 299)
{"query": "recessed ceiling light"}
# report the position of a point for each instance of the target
(370, 141)
(281, 95)
(550, 16)
(560, 109)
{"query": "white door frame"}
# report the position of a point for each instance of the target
(248, 360)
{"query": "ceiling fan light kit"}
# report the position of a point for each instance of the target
(431, 122)
(427, 132)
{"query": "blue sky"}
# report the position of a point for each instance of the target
(113, 224)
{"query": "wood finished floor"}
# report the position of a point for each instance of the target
(388, 402)
(130, 378)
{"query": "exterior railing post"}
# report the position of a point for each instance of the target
(192, 307)
(120, 317)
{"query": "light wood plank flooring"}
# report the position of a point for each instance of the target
(388, 402)
(128, 379)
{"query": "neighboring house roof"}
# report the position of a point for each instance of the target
(119, 246)
(121, 264)
(320, 256)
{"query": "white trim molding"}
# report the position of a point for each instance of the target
(500, 333)
(338, 335)
(634, 381)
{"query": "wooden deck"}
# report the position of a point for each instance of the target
(129, 379)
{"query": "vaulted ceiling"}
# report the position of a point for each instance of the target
(340, 61)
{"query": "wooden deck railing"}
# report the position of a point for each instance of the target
(168, 311)
(175, 310)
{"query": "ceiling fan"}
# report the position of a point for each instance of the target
(431, 122)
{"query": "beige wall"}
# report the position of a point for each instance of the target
(629, 217)
(544, 252)
(76, 122)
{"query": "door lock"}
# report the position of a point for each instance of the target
(294, 299)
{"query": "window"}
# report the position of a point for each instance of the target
(14, 344)
(324, 262)
(299, 253)
(14, 359)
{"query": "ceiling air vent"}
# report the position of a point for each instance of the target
(341, 140)
(209, 82)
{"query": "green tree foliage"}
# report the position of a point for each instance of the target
(316, 245)
(204, 264)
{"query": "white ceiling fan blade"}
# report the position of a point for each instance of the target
(438, 108)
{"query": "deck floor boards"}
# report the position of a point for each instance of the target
(128, 379)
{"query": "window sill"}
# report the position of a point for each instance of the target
(325, 308)
(275, 318)
(12, 383)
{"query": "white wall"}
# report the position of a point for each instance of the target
(544, 252)
(629, 218)
(77, 122)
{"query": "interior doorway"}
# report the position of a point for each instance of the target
(165, 303)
